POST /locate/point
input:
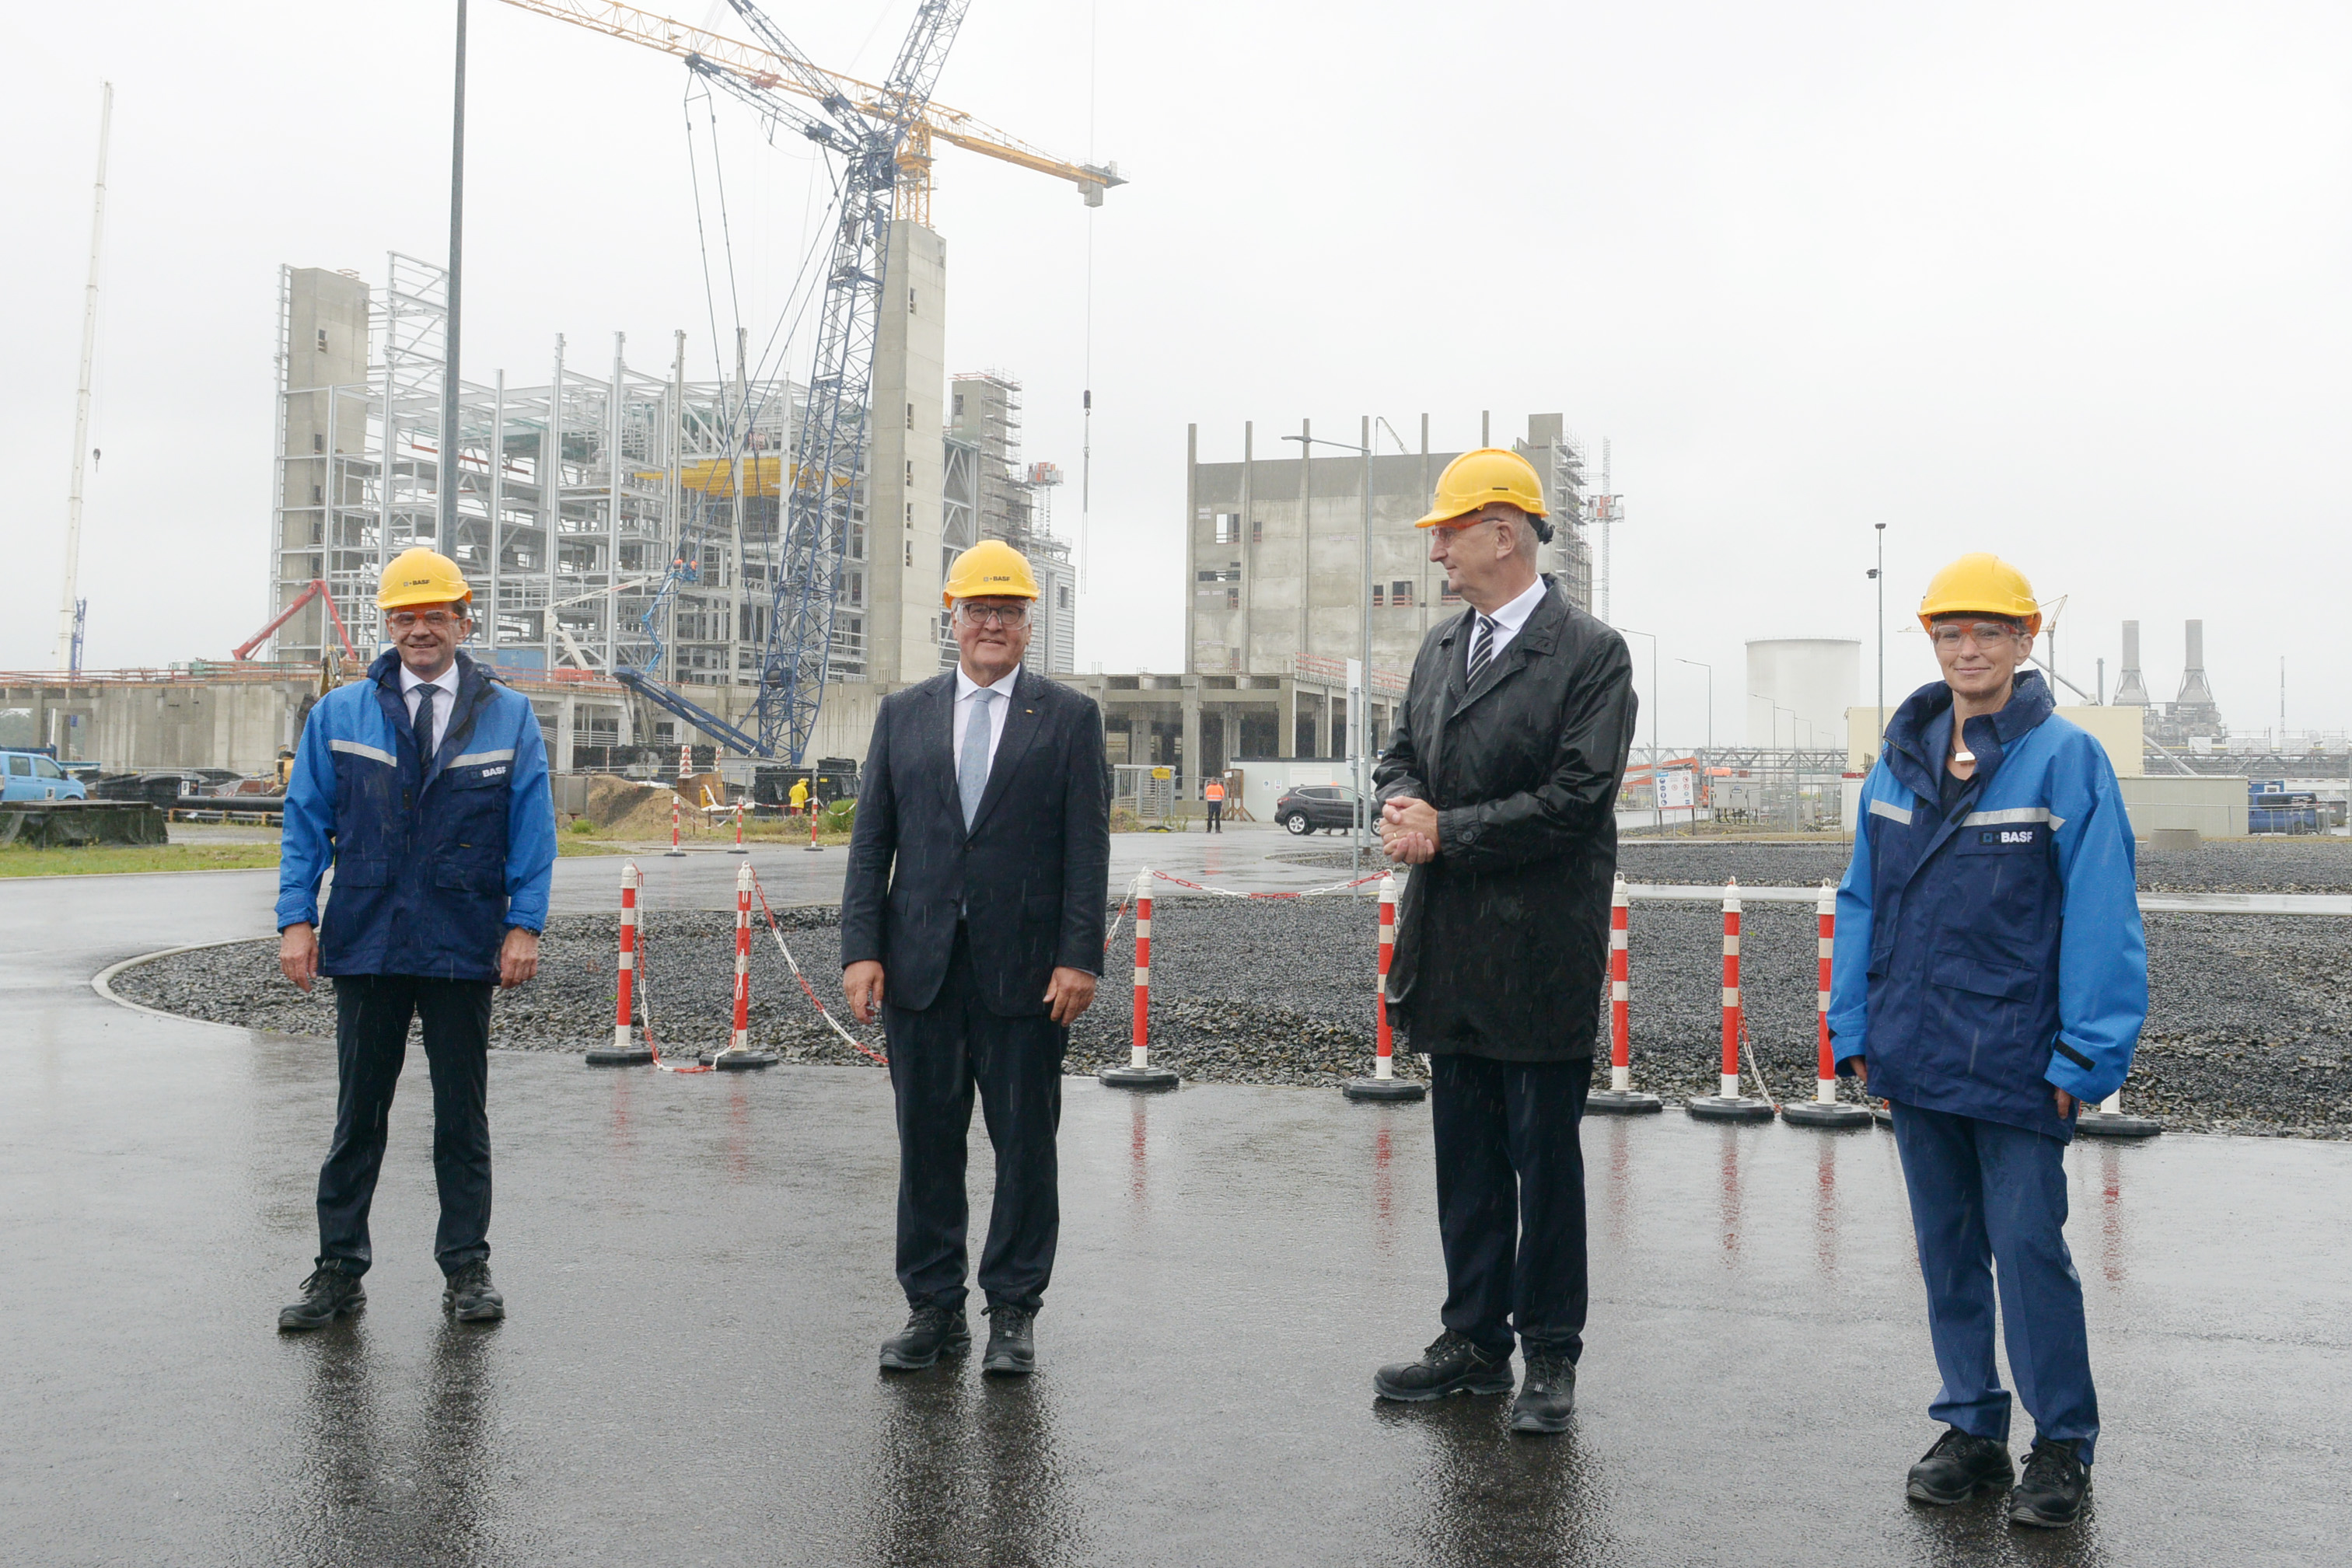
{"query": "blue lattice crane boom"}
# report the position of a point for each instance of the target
(829, 451)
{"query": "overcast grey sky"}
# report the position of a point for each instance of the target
(2064, 281)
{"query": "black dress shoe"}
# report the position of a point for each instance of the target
(2051, 1494)
(1958, 1467)
(1547, 1395)
(469, 1296)
(1011, 1342)
(930, 1333)
(328, 1294)
(1450, 1365)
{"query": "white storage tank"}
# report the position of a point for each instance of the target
(1799, 689)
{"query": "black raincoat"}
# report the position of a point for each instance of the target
(1503, 939)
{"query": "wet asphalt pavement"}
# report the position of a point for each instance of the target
(698, 1271)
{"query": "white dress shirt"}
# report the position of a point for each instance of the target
(966, 688)
(1509, 618)
(443, 706)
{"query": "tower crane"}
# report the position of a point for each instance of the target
(882, 134)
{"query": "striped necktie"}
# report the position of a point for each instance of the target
(1482, 647)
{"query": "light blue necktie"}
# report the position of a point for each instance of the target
(971, 769)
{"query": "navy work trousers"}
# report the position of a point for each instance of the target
(1989, 1204)
(372, 1016)
(939, 1056)
(1510, 1199)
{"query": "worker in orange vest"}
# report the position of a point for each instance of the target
(1213, 792)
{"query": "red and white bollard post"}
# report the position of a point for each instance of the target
(739, 1052)
(674, 853)
(739, 849)
(2109, 1121)
(1620, 1099)
(1384, 1084)
(1139, 1073)
(1825, 1109)
(625, 1051)
(813, 847)
(1729, 1104)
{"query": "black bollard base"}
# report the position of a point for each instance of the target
(1137, 1078)
(1384, 1089)
(1621, 1103)
(1837, 1114)
(1716, 1108)
(738, 850)
(2100, 1124)
(737, 1060)
(614, 1056)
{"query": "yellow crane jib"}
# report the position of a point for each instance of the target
(765, 69)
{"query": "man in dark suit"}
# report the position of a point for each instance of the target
(972, 919)
(1500, 789)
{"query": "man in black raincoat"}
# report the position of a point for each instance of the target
(1499, 787)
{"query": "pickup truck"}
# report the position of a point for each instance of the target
(32, 776)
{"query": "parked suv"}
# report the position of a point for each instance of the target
(1308, 807)
(29, 776)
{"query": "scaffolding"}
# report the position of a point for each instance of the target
(617, 521)
(1010, 502)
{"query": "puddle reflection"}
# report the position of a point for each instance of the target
(971, 1473)
(1490, 1498)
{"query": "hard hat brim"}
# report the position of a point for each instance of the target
(1443, 514)
(1010, 590)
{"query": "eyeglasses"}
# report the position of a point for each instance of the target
(408, 620)
(994, 615)
(1983, 634)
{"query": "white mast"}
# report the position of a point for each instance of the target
(81, 398)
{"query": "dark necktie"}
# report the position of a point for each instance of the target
(422, 728)
(1482, 647)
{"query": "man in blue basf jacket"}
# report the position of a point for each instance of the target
(1990, 977)
(425, 785)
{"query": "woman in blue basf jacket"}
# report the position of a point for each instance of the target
(1990, 977)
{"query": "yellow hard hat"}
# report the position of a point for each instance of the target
(989, 570)
(1480, 478)
(422, 576)
(1981, 584)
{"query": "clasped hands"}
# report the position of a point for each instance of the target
(1408, 830)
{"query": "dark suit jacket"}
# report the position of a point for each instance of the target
(1502, 939)
(1033, 871)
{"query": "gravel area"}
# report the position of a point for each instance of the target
(2249, 1029)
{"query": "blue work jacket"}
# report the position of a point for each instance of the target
(1984, 956)
(431, 864)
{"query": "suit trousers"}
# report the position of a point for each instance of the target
(1510, 1199)
(939, 1056)
(372, 1018)
(1989, 1211)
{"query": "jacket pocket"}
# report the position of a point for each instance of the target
(1964, 972)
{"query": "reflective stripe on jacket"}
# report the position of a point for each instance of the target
(431, 866)
(1985, 957)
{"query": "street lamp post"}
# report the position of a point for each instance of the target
(1657, 807)
(1878, 576)
(1710, 731)
(1360, 701)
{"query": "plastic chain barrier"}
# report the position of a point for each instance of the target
(806, 989)
(1297, 893)
(645, 992)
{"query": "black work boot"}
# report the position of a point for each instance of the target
(1956, 1468)
(470, 1296)
(1011, 1342)
(328, 1294)
(930, 1333)
(1547, 1395)
(2056, 1484)
(1450, 1365)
